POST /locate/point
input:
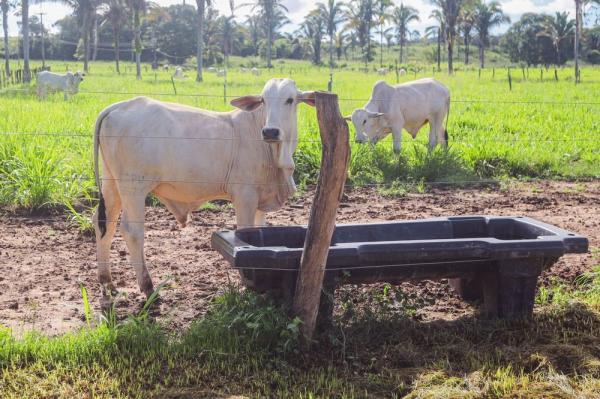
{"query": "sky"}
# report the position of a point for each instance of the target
(299, 8)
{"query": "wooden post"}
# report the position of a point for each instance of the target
(509, 80)
(334, 166)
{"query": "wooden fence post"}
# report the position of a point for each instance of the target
(334, 166)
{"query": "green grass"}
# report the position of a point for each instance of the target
(247, 345)
(492, 137)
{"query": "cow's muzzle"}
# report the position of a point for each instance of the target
(271, 134)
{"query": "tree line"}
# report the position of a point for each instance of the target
(198, 33)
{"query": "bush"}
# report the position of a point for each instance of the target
(593, 57)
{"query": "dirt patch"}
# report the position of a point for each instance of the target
(44, 259)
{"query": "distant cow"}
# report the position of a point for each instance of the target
(255, 71)
(187, 156)
(212, 69)
(179, 74)
(221, 73)
(166, 67)
(402, 72)
(67, 83)
(407, 106)
(382, 71)
(244, 70)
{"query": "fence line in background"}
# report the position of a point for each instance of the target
(451, 141)
(342, 99)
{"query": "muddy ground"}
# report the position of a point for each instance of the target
(43, 259)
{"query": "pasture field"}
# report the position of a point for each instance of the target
(211, 339)
(538, 130)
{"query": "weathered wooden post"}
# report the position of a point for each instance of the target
(334, 167)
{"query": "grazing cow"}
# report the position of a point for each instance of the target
(382, 71)
(255, 71)
(188, 156)
(166, 67)
(179, 74)
(67, 83)
(406, 106)
(212, 70)
(222, 73)
(402, 72)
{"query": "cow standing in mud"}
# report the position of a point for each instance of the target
(187, 156)
(406, 106)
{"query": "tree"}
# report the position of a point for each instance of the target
(449, 10)
(558, 29)
(466, 25)
(382, 15)
(438, 33)
(115, 14)
(360, 14)
(487, 16)
(523, 41)
(403, 16)
(85, 11)
(312, 28)
(253, 30)
(5, 7)
(270, 12)
(200, 11)
(227, 32)
(138, 8)
(333, 15)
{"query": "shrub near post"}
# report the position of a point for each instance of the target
(335, 139)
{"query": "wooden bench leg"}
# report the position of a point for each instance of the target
(517, 281)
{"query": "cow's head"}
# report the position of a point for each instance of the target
(368, 125)
(74, 79)
(280, 98)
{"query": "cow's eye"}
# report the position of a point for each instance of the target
(289, 101)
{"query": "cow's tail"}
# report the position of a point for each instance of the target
(101, 203)
(447, 119)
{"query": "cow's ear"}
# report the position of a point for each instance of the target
(375, 114)
(247, 103)
(307, 97)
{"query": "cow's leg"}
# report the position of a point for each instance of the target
(132, 228)
(112, 202)
(260, 218)
(246, 207)
(397, 135)
(441, 130)
(434, 127)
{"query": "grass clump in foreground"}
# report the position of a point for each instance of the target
(246, 344)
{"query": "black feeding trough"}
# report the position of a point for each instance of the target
(496, 260)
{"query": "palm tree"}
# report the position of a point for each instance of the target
(360, 14)
(270, 11)
(227, 32)
(449, 11)
(138, 8)
(487, 16)
(382, 15)
(200, 11)
(333, 14)
(253, 28)
(403, 16)
(439, 33)
(312, 28)
(558, 29)
(115, 14)
(5, 6)
(466, 25)
(85, 10)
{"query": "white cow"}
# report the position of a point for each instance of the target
(244, 70)
(382, 71)
(67, 83)
(221, 73)
(166, 67)
(212, 69)
(255, 71)
(406, 106)
(179, 74)
(402, 72)
(188, 156)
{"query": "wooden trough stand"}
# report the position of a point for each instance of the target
(495, 260)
